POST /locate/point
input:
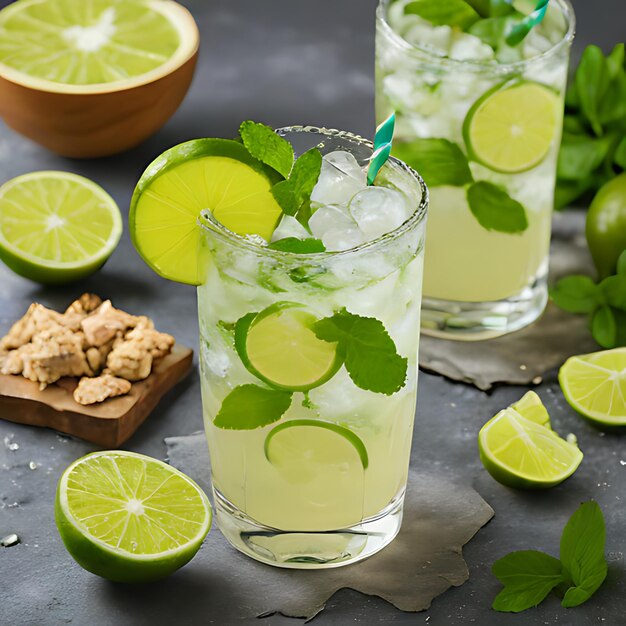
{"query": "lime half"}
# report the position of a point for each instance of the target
(595, 386)
(531, 407)
(521, 453)
(217, 175)
(56, 227)
(279, 346)
(93, 45)
(128, 517)
(305, 448)
(512, 128)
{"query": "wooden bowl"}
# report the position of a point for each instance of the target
(84, 121)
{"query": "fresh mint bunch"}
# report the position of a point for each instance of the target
(529, 576)
(593, 148)
(604, 302)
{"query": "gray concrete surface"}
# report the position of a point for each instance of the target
(282, 62)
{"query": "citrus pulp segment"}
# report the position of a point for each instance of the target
(93, 45)
(531, 407)
(279, 346)
(521, 453)
(512, 128)
(128, 517)
(595, 385)
(56, 227)
(218, 175)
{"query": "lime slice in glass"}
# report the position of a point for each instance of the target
(218, 175)
(128, 517)
(595, 386)
(279, 346)
(521, 453)
(93, 42)
(305, 448)
(512, 128)
(56, 227)
(531, 407)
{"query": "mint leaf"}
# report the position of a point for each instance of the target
(620, 154)
(621, 264)
(580, 155)
(490, 30)
(266, 146)
(590, 81)
(439, 161)
(495, 209)
(370, 354)
(567, 191)
(582, 553)
(298, 246)
(604, 327)
(249, 406)
(444, 12)
(528, 577)
(576, 294)
(614, 290)
(613, 104)
(291, 194)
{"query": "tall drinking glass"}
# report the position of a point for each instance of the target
(313, 473)
(485, 135)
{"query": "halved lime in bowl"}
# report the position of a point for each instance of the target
(56, 227)
(128, 517)
(216, 175)
(512, 127)
(279, 347)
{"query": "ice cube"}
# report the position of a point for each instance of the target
(347, 163)
(469, 47)
(425, 35)
(290, 227)
(335, 186)
(343, 239)
(330, 217)
(378, 210)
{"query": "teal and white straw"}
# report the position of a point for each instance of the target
(518, 32)
(382, 147)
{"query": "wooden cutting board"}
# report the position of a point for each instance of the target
(108, 424)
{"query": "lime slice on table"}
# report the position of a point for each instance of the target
(511, 128)
(279, 346)
(218, 175)
(531, 407)
(56, 227)
(521, 453)
(302, 448)
(595, 386)
(95, 42)
(128, 517)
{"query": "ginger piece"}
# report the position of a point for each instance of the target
(13, 362)
(105, 323)
(21, 332)
(85, 305)
(158, 344)
(94, 390)
(130, 360)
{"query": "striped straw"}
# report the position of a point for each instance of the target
(518, 32)
(382, 147)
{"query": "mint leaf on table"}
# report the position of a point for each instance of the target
(444, 12)
(613, 289)
(298, 246)
(575, 294)
(528, 577)
(582, 553)
(604, 327)
(249, 406)
(495, 209)
(294, 192)
(370, 354)
(439, 161)
(266, 146)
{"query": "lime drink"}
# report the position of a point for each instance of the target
(309, 360)
(481, 120)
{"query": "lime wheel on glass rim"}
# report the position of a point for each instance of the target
(128, 517)
(56, 227)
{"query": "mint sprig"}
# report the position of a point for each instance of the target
(529, 576)
(294, 192)
(370, 354)
(250, 406)
(604, 302)
(266, 146)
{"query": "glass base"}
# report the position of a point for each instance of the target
(308, 550)
(473, 321)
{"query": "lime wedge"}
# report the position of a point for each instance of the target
(512, 128)
(218, 175)
(56, 227)
(128, 517)
(103, 42)
(279, 346)
(304, 448)
(521, 453)
(595, 386)
(531, 407)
